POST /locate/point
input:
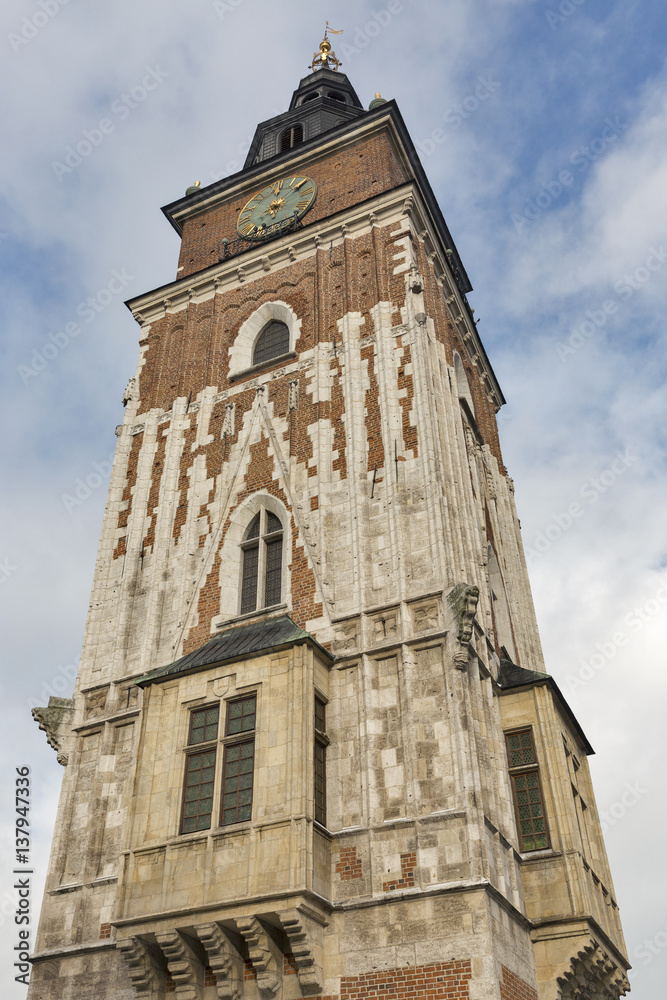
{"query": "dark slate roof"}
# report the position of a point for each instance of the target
(511, 676)
(237, 644)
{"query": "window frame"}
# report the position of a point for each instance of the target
(261, 542)
(279, 354)
(223, 740)
(320, 744)
(519, 771)
(199, 749)
(242, 738)
(297, 135)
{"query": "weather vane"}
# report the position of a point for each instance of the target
(326, 57)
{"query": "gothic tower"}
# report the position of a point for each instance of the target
(313, 749)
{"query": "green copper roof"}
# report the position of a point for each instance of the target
(237, 644)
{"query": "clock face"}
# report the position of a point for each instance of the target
(272, 208)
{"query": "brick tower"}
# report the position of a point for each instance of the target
(313, 749)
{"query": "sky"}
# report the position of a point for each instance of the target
(542, 125)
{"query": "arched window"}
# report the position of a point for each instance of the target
(273, 342)
(311, 97)
(261, 584)
(291, 137)
(336, 97)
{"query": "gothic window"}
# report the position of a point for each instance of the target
(291, 137)
(261, 582)
(200, 770)
(320, 773)
(273, 342)
(527, 791)
(239, 761)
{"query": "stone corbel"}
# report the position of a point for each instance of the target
(185, 966)
(463, 602)
(56, 722)
(144, 967)
(593, 973)
(263, 954)
(225, 960)
(305, 938)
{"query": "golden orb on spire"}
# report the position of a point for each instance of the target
(326, 57)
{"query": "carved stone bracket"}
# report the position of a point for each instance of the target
(302, 932)
(144, 967)
(187, 971)
(131, 391)
(56, 722)
(463, 602)
(262, 954)
(225, 960)
(593, 974)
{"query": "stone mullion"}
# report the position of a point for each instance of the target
(454, 549)
(405, 666)
(431, 473)
(367, 820)
(108, 571)
(136, 530)
(161, 554)
(468, 514)
(392, 433)
(352, 369)
(527, 639)
(470, 769)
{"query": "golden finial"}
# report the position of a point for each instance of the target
(326, 57)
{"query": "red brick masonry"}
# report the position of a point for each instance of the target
(407, 879)
(513, 988)
(349, 865)
(441, 981)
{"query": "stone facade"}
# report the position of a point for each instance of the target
(373, 440)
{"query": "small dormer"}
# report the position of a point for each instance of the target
(324, 99)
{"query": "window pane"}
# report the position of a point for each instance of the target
(204, 725)
(320, 716)
(249, 585)
(274, 560)
(521, 749)
(241, 718)
(253, 530)
(272, 342)
(198, 801)
(530, 811)
(237, 788)
(320, 783)
(272, 523)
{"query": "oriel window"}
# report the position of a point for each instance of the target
(261, 583)
(527, 791)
